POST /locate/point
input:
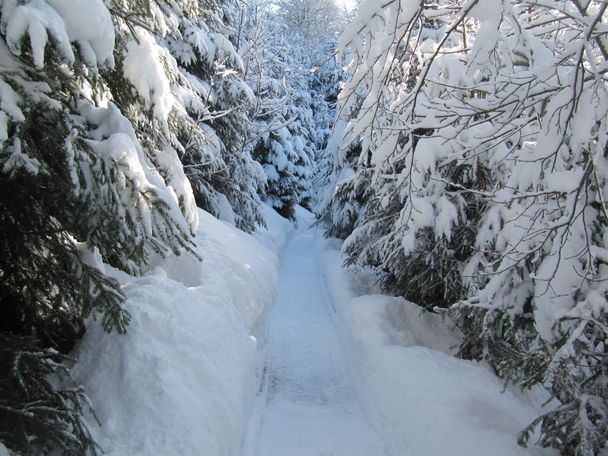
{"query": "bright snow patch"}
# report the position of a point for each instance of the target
(307, 405)
(181, 380)
(143, 67)
(88, 23)
(422, 399)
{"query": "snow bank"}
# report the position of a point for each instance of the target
(277, 231)
(181, 380)
(419, 396)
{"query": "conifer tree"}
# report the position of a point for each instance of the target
(215, 136)
(283, 119)
(483, 125)
(90, 174)
(294, 78)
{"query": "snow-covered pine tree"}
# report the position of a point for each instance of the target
(310, 22)
(324, 86)
(303, 127)
(89, 173)
(313, 26)
(217, 130)
(486, 131)
(282, 115)
(347, 183)
(406, 196)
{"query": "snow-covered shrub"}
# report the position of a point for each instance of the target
(484, 126)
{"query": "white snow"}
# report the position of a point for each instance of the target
(424, 401)
(88, 23)
(143, 67)
(181, 379)
(307, 404)
(38, 20)
(85, 22)
(114, 139)
(9, 102)
(343, 372)
(9, 108)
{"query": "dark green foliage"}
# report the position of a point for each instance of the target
(47, 288)
(65, 206)
(429, 276)
(41, 406)
(579, 423)
(431, 273)
(573, 370)
(341, 213)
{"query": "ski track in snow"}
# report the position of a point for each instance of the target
(307, 405)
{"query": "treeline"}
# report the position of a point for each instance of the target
(118, 119)
(470, 173)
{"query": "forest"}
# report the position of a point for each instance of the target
(457, 150)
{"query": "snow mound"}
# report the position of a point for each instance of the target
(422, 399)
(180, 381)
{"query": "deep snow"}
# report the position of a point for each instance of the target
(307, 405)
(342, 371)
(182, 379)
(423, 400)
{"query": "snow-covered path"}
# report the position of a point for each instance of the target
(307, 405)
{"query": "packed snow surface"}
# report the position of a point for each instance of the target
(307, 405)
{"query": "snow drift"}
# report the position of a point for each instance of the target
(422, 399)
(181, 380)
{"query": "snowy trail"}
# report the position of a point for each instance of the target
(308, 405)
